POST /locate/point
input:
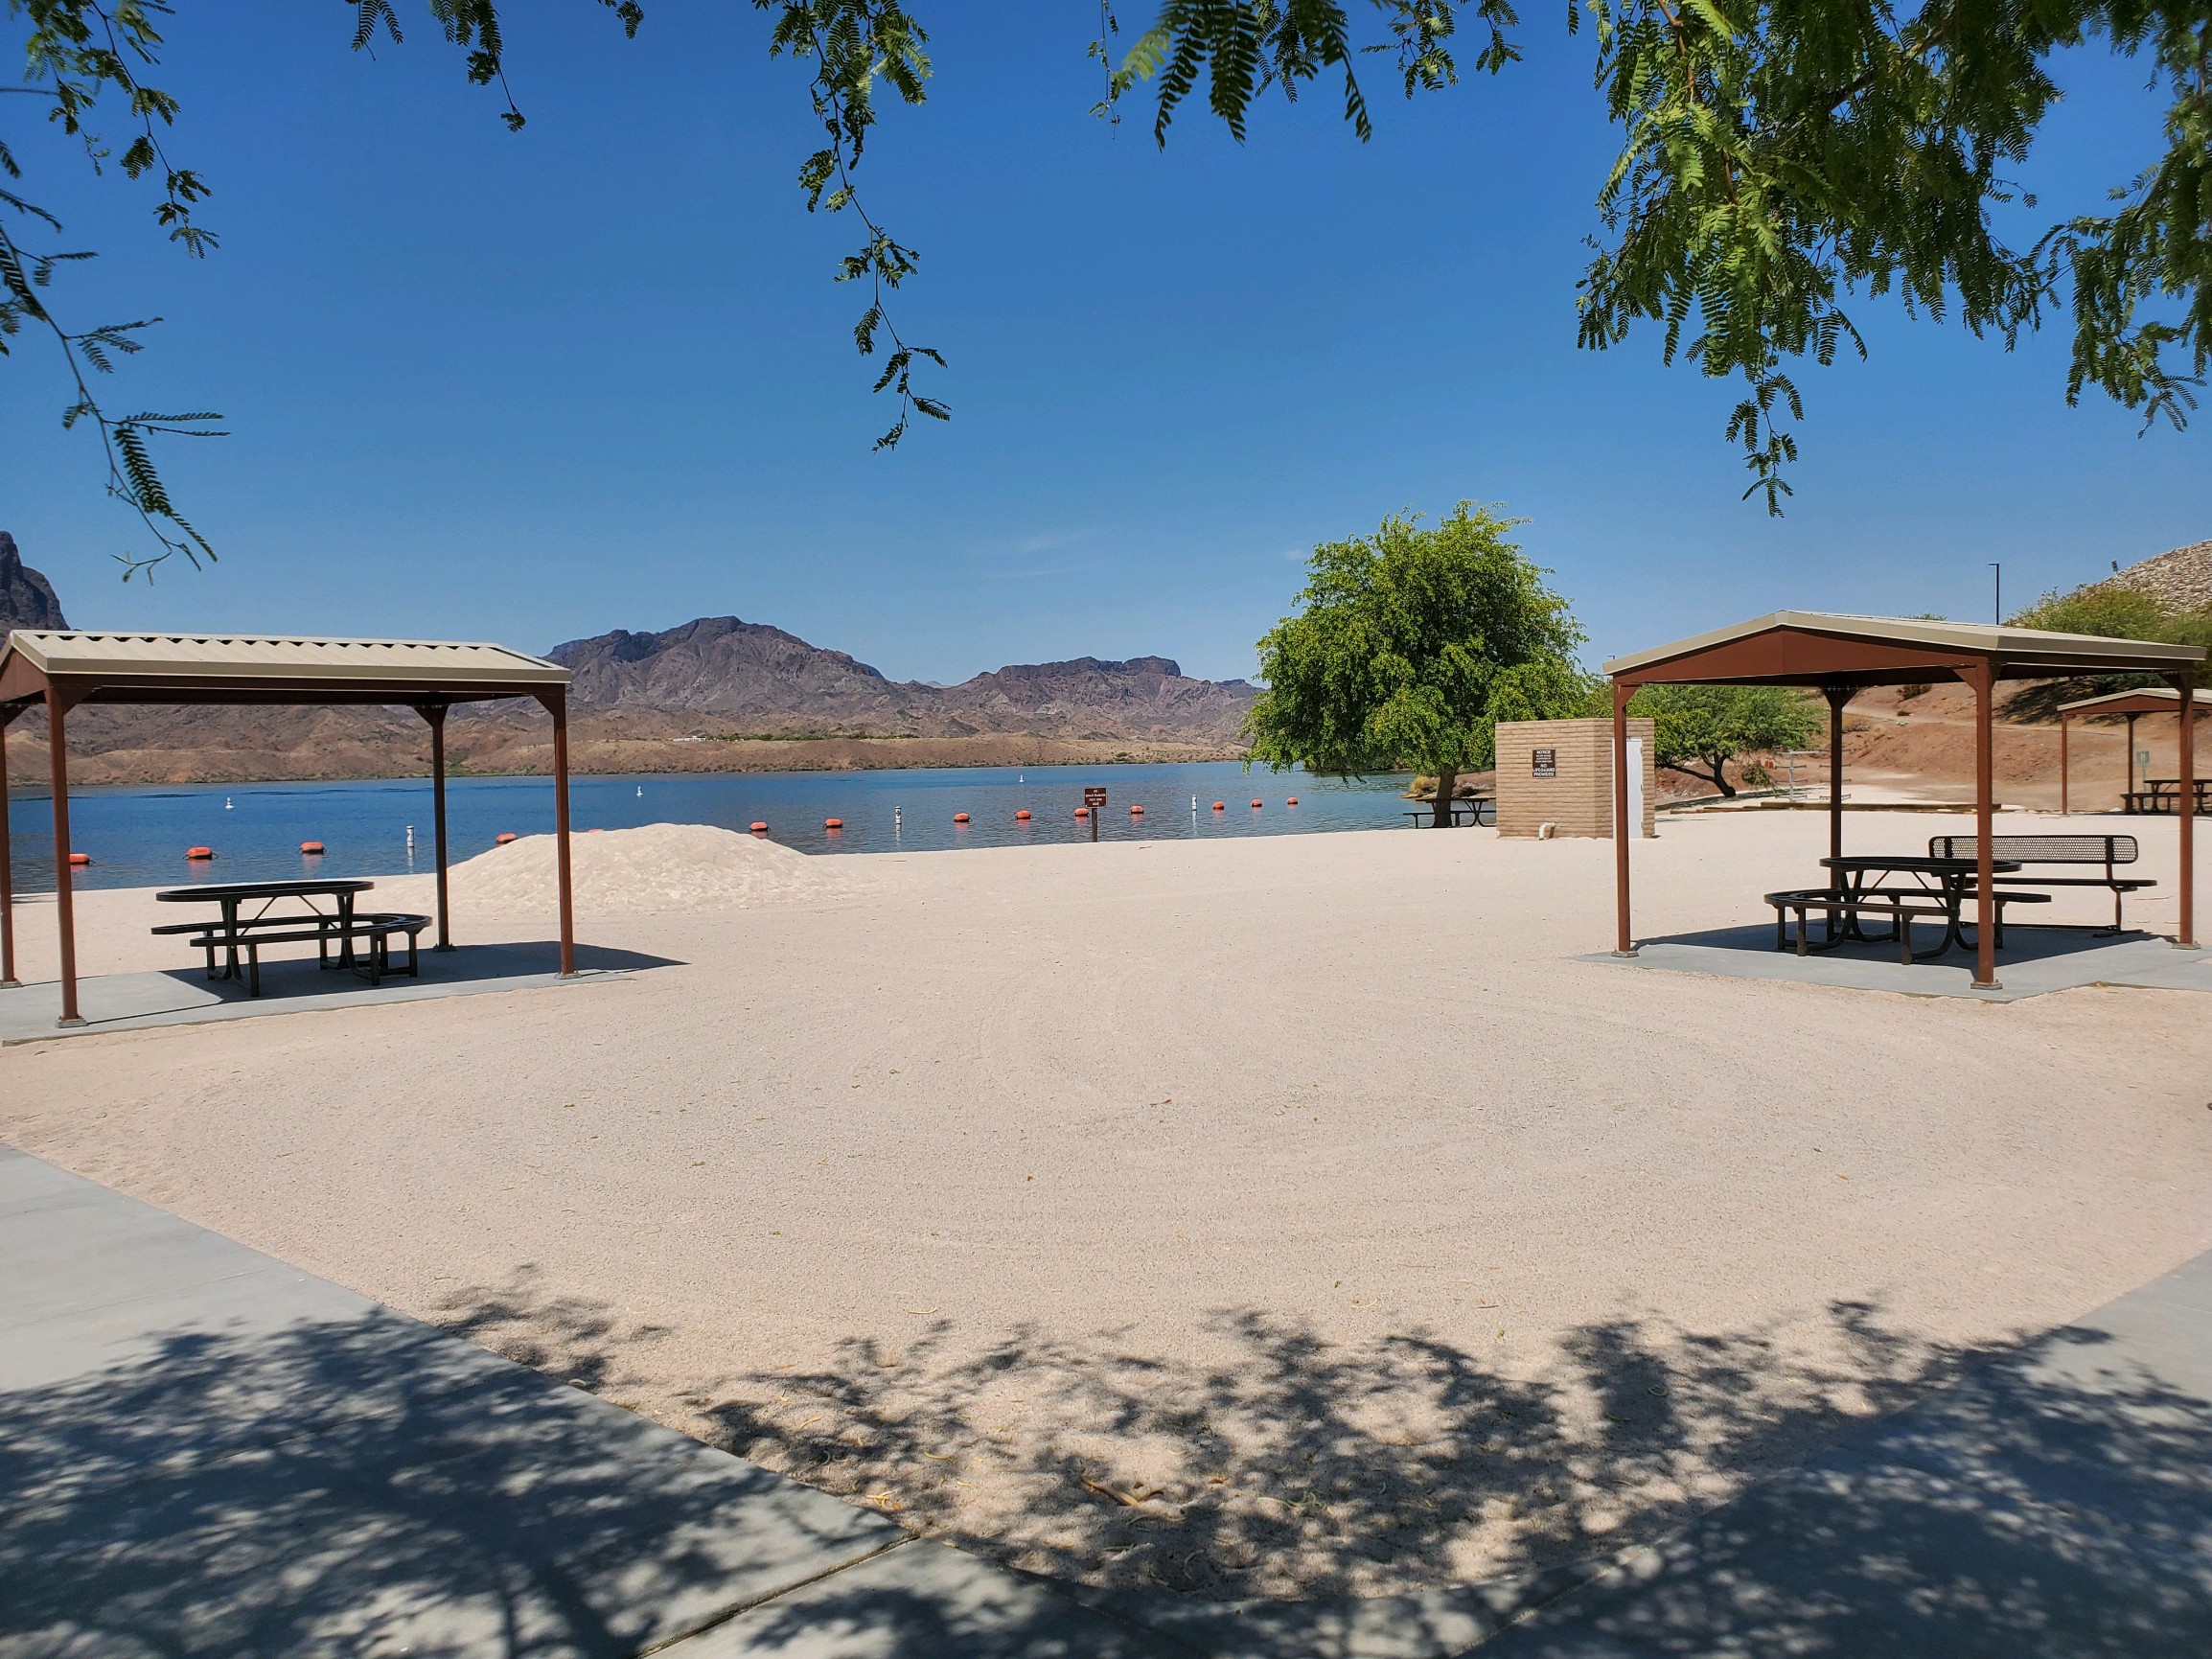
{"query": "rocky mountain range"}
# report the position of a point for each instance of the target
(714, 695)
(753, 679)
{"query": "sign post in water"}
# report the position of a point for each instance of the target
(1094, 802)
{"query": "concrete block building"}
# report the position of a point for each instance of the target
(1560, 773)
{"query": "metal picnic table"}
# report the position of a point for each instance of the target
(1950, 879)
(233, 929)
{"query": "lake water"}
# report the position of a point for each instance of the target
(137, 835)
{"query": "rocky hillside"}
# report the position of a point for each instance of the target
(26, 598)
(747, 680)
(2181, 580)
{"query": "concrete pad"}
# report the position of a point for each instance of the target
(2034, 961)
(923, 1600)
(204, 1452)
(2056, 1502)
(1430, 1625)
(188, 997)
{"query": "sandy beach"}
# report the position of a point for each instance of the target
(1281, 1216)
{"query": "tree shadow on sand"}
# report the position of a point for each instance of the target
(1290, 1467)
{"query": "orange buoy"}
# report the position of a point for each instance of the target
(595, 830)
(833, 823)
(310, 847)
(1292, 800)
(1220, 806)
(960, 817)
(1082, 812)
(80, 857)
(498, 840)
(759, 828)
(199, 852)
(1255, 803)
(1022, 815)
(1136, 812)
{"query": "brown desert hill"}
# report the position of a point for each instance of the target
(758, 678)
(1146, 696)
(761, 682)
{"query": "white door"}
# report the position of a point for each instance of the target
(1635, 786)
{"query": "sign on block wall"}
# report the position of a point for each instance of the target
(1560, 773)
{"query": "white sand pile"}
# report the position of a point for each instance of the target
(658, 870)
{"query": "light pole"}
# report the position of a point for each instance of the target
(2000, 580)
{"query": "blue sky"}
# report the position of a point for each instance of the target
(528, 387)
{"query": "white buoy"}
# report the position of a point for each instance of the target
(226, 803)
(640, 791)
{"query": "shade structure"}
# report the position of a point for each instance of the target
(1842, 655)
(62, 671)
(2129, 705)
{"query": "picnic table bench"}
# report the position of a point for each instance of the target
(1940, 887)
(238, 934)
(1464, 809)
(2163, 795)
(2077, 850)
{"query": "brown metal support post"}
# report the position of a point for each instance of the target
(2187, 810)
(435, 714)
(65, 909)
(559, 705)
(1838, 696)
(1983, 680)
(7, 977)
(1624, 945)
(2127, 805)
(2063, 716)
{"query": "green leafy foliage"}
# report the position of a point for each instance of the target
(1780, 155)
(2109, 612)
(1408, 647)
(1698, 730)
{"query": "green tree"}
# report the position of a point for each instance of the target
(2110, 612)
(1408, 648)
(1698, 730)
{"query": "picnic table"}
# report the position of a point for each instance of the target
(1934, 888)
(1464, 809)
(248, 917)
(2163, 795)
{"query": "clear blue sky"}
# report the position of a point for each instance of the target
(528, 387)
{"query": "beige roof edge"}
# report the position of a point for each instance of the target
(2164, 692)
(1989, 637)
(205, 655)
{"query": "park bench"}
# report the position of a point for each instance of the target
(2109, 852)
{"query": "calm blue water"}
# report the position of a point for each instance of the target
(137, 835)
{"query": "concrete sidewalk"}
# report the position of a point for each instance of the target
(203, 1451)
(2055, 1505)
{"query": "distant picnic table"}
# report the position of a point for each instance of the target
(2163, 795)
(235, 931)
(1465, 810)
